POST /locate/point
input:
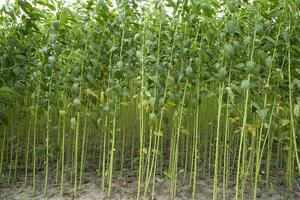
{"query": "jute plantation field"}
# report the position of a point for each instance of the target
(150, 99)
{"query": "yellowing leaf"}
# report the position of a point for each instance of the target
(91, 93)
(234, 120)
(169, 104)
(102, 97)
(251, 129)
(159, 134)
(146, 105)
(125, 103)
(284, 122)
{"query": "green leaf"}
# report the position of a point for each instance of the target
(136, 36)
(94, 62)
(250, 64)
(245, 84)
(296, 82)
(247, 40)
(231, 26)
(235, 87)
(152, 117)
(259, 28)
(52, 60)
(26, 7)
(118, 74)
(55, 24)
(222, 73)
(45, 3)
(285, 36)
(6, 92)
(268, 61)
(112, 49)
(229, 49)
(76, 102)
(171, 3)
(262, 114)
(208, 9)
(189, 71)
(119, 64)
(270, 40)
(139, 55)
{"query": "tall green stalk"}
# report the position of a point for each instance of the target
(216, 171)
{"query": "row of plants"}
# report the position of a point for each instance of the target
(196, 89)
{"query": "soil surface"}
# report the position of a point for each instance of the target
(124, 187)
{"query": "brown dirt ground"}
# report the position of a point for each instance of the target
(124, 187)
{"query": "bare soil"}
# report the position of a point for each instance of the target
(124, 187)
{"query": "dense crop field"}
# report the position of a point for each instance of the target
(160, 99)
